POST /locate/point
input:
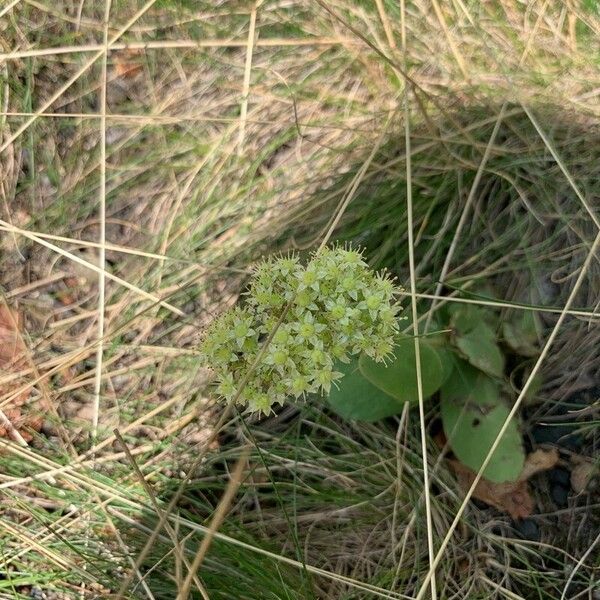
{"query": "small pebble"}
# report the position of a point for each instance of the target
(559, 476)
(85, 412)
(547, 434)
(560, 495)
(528, 529)
(561, 435)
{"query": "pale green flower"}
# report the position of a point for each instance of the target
(308, 279)
(227, 387)
(260, 402)
(304, 300)
(299, 385)
(308, 329)
(283, 334)
(325, 377)
(287, 266)
(241, 326)
(338, 308)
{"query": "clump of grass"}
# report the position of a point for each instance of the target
(337, 509)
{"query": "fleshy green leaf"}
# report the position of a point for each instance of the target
(473, 414)
(465, 317)
(533, 389)
(357, 398)
(448, 359)
(398, 377)
(479, 347)
(520, 333)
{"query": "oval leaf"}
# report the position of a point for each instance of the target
(465, 317)
(479, 347)
(473, 414)
(398, 377)
(520, 333)
(357, 398)
(448, 360)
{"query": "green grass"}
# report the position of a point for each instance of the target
(343, 498)
(321, 493)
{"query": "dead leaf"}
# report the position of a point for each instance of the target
(513, 498)
(11, 345)
(581, 476)
(21, 423)
(538, 461)
(12, 348)
(14, 423)
(128, 63)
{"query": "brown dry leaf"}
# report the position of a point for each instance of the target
(128, 63)
(14, 423)
(11, 345)
(23, 424)
(538, 461)
(581, 475)
(514, 497)
(66, 295)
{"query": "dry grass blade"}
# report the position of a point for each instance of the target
(102, 240)
(450, 38)
(252, 39)
(92, 267)
(415, 319)
(218, 516)
(11, 138)
(177, 45)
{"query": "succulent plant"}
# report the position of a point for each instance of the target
(329, 309)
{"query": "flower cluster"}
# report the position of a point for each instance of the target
(328, 310)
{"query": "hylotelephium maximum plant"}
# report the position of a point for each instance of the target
(338, 307)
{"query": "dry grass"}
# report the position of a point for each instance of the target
(138, 185)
